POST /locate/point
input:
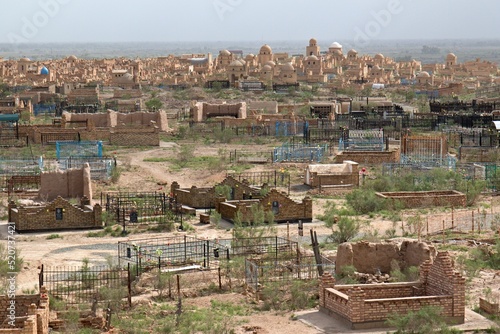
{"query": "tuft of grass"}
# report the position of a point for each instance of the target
(54, 236)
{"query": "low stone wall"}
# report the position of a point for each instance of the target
(57, 215)
(477, 154)
(369, 157)
(422, 199)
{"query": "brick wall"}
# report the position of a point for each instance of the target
(369, 157)
(133, 137)
(45, 217)
(368, 306)
(32, 312)
(422, 199)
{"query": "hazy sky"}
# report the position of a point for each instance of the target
(246, 20)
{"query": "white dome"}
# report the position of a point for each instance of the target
(336, 45)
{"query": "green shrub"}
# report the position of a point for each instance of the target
(364, 201)
(425, 321)
(347, 229)
(54, 236)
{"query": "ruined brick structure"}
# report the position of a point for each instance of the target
(284, 208)
(56, 215)
(31, 314)
(423, 199)
(202, 111)
(201, 198)
(364, 306)
(71, 183)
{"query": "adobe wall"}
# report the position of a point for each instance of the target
(422, 199)
(45, 217)
(112, 119)
(369, 157)
(369, 257)
(71, 183)
(264, 106)
(202, 110)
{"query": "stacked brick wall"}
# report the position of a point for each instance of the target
(45, 217)
(369, 157)
(419, 199)
(132, 137)
(31, 311)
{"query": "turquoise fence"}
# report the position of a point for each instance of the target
(78, 149)
(291, 152)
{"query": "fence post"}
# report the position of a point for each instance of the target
(220, 280)
(472, 221)
(427, 234)
(443, 231)
(129, 286)
(452, 218)
(40, 277)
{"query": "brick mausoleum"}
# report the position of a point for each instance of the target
(423, 199)
(364, 306)
(56, 215)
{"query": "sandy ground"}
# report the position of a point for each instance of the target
(138, 175)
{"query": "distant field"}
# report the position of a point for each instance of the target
(464, 49)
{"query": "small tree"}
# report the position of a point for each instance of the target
(347, 229)
(154, 104)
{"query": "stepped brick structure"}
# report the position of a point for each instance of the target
(364, 306)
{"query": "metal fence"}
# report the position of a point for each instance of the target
(135, 205)
(84, 284)
(278, 246)
(273, 178)
(101, 168)
(174, 253)
(291, 152)
(78, 149)
(462, 220)
(261, 271)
